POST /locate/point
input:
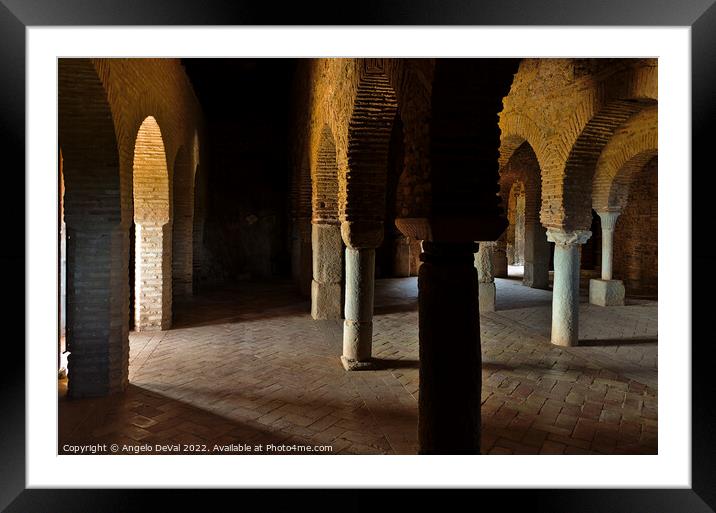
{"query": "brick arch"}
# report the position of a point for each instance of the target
(152, 217)
(523, 165)
(515, 130)
(362, 184)
(183, 222)
(575, 211)
(97, 336)
(325, 180)
(412, 81)
(612, 101)
(515, 233)
(637, 83)
(137, 88)
(631, 147)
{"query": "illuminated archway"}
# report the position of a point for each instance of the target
(153, 230)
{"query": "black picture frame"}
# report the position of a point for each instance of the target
(17, 15)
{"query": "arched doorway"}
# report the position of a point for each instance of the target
(153, 230)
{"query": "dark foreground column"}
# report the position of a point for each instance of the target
(450, 359)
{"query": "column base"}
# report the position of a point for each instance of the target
(606, 292)
(355, 365)
(357, 342)
(487, 296)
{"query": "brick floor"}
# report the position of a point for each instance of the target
(249, 366)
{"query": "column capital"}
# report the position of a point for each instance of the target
(362, 234)
(568, 238)
(609, 218)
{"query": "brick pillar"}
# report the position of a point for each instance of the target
(97, 299)
(153, 277)
(450, 359)
(326, 287)
(565, 292)
(537, 252)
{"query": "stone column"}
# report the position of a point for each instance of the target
(609, 220)
(361, 238)
(485, 276)
(450, 359)
(358, 326)
(499, 258)
(536, 256)
(326, 293)
(402, 257)
(565, 292)
(607, 292)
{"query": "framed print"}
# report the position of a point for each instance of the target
(406, 246)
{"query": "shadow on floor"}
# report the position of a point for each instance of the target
(396, 308)
(143, 417)
(247, 302)
(618, 342)
(386, 363)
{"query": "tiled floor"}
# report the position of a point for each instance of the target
(249, 366)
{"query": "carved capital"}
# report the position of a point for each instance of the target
(570, 238)
(609, 218)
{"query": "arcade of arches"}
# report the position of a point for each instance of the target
(377, 256)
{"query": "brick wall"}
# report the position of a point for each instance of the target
(636, 235)
(634, 144)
